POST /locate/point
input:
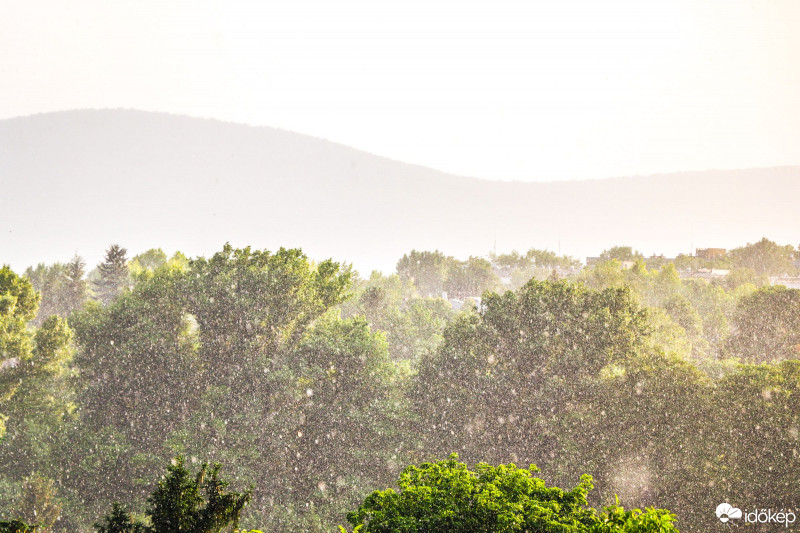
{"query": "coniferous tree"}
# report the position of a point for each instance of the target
(178, 505)
(113, 274)
(77, 287)
(119, 521)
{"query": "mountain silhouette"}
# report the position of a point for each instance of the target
(81, 180)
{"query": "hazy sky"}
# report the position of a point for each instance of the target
(508, 90)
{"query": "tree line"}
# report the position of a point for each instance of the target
(316, 387)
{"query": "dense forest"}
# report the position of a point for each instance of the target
(314, 386)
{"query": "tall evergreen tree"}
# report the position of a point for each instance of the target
(77, 287)
(113, 274)
(178, 505)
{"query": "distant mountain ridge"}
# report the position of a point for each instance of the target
(80, 180)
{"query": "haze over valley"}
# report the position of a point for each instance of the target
(76, 181)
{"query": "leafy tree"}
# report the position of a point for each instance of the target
(744, 276)
(152, 259)
(756, 412)
(682, 311)
(604, 275)
(39, 503)
(244, 361)
(428, 270)
(18, 305)
(412, 325)
(539, 264)
(51, 283)
(513, 260)
(36, 399)
(470, 278)
(179, 505)
(501, 375)
(644, 435)
(61, 286)
(764, 257)
(534, 258)
(145, 265)
(447, 496)
(550, 260)
(767, 325)
(113, 274)
(620, 253)
(714, 306)
(664, 285)
(95, 467)
(685, 262)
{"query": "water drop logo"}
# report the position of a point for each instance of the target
(726, 511)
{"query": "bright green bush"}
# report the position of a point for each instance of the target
(447, 496)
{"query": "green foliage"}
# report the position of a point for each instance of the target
(61, 286)
(682, 311)
(764, 257)
(739, 277)
(534, 258)
(685, 301)
(179, 505)
(152, 259)
(767, 325)
(538, 264)
(38, 503)
(119, 521)
(470, 278)
(18, 305)
(144, 265)
(244, 361)
(412, 325)
(113, 274)
(77, 287)
(496, 382)
(427, 270)
(51, 283)
(757, 416)
(620, 253)
(34, 372)
(433, 273)
(447, 496)
(16, 526)
(244, 358)
(35, 399)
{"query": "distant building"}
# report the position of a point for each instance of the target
(710, 253)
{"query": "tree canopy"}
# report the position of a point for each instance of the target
(183, 503)
(447, 496)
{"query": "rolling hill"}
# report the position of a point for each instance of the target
(78, 181)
